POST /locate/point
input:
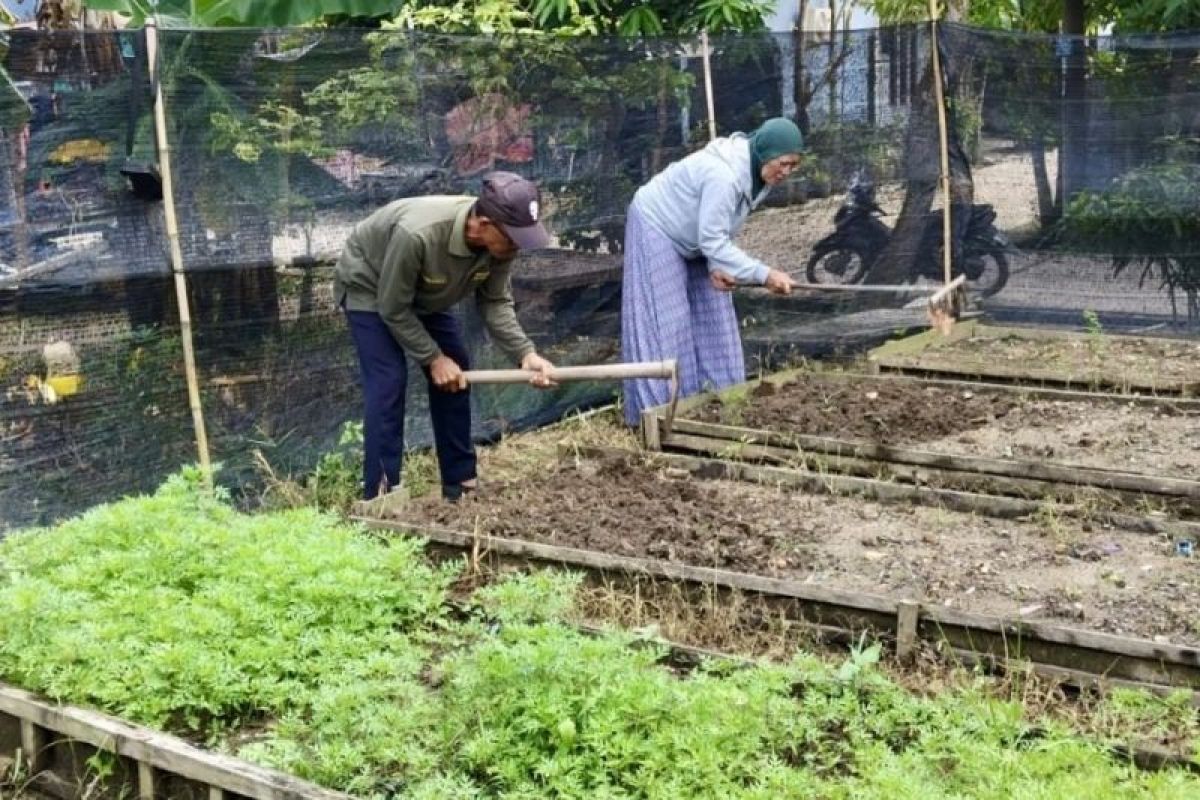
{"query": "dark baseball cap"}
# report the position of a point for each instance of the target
(515, 205)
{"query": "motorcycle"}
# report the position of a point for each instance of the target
(843, 256)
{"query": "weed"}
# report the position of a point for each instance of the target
(335, 484)
(1095, 333)
(420, 474)
(530, 597)
(734, 404)
(1054, 524)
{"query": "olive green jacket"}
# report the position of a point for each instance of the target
(411, 257)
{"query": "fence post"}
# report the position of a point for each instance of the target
(939, 93)
(708, 87)
(872, 66)
(181, 294)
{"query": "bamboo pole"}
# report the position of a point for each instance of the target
(181, 295)
(943, 142)
(708, 87)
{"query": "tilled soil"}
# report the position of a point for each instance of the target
(1158, 439)
(1050, 568)
(881, 411)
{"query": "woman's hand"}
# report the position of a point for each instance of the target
(721, 281)
(779, 282)
(541, 369)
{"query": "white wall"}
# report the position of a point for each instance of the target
(784, 16)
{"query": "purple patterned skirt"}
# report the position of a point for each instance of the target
(670, 310)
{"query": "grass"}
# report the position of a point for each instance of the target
(298, 642)
(736, 623)
(335, 484)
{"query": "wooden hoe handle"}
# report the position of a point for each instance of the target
(596, 372)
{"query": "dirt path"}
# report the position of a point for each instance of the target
(1050, 568)
(1041, 278)
(1155, 439)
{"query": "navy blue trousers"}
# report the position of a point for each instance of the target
(384, 369)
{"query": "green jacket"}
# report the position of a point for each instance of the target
(411, 257)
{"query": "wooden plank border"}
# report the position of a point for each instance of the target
(719, 465)
(155, 753)
(1029, 472)
(895, 356)
(1100, 657)
(856, 457)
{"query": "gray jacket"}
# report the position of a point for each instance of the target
(701, 202)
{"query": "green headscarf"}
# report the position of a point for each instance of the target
(776, 137)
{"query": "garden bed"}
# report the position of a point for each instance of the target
(1003, 440)
(298, 643)
(1051, 568)
(1092, 360)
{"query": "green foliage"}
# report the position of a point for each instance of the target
(1044, 16)
(176, 611)
(546, 712)
(1147, 220)
(336, 483)
(841, 148)
(332, 653)
(276, 126)
(1095, 333)
(541, 711)
(1130, 715)
(587, 17)
(530, 597)
(1146, 16)
(895, 12)
(242, 13)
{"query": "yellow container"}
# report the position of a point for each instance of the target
(65, 385)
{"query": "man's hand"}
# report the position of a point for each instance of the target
(779, 282)
(721, 281)
(447, 375)
(542, 369)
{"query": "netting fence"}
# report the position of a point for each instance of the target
(1087, 150)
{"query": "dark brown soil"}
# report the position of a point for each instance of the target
(1048, 568)
(891, 412)
(1157, 439)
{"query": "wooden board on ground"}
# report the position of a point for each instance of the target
(1091, 656)
(156, 754)
(943, 460)
(1092, 360)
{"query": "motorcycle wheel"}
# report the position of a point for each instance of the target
(844, 266)
(988, 273)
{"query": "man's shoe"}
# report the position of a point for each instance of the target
(455, 492)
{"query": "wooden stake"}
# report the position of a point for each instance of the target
(708, 87)
(907, 616)
(33, 743)
(943, 142)
(147, 781)
(181, 295)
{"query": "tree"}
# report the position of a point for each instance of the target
(241, 13)
(922, 157)
(630, 17)
(570, 73)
